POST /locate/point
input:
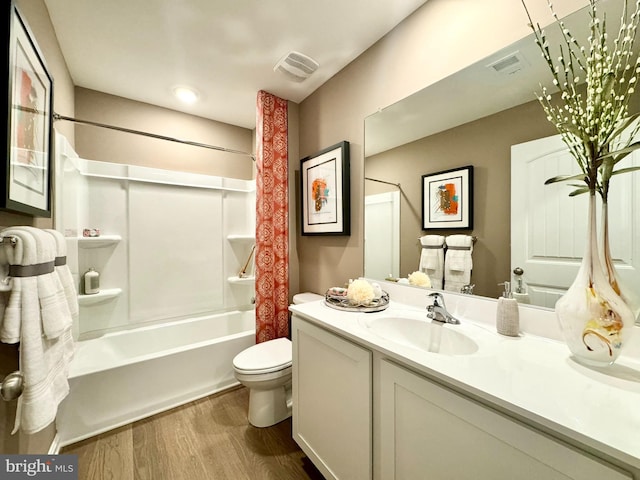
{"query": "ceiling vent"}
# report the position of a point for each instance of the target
(509, 65)
(296, 66)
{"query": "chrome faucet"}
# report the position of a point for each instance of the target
(438, 312)
(467, 289)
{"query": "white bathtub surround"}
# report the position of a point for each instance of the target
(37, 315)
(530, 379)
(125, 376)
(167, 322)
(165, 240)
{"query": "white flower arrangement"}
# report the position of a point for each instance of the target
(594, 123)
(419, 279)
(360, 292)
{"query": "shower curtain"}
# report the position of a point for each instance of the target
(272, 219)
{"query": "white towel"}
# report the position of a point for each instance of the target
(458, 262)
(23, 252)
(64, 273)
(432, 259)
(54, 309)
(44, 357)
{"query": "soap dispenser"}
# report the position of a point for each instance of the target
(507, 315)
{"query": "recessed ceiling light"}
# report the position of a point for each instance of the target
(185, 94)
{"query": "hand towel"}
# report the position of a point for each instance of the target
(432, 259)
(54, 309)
(64, 273)
(458, 262)
(23, 252)
(44, 359)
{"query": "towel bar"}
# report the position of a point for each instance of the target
(474, 239)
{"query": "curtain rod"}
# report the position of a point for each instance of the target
(57, 116)
(383, 181)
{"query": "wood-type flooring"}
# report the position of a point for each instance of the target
(206, 439)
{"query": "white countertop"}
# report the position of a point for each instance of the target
(530, 377)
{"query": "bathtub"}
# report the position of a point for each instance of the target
(122, 377)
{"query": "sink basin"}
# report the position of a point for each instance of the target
(421, 334)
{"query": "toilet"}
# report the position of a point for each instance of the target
(265, 369)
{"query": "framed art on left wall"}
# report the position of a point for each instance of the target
(28, 137)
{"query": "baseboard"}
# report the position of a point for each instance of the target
(54, 448)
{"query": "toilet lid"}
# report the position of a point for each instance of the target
(265, 357)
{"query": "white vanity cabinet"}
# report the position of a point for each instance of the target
(428, 431)
(332, 402)
(359, 413)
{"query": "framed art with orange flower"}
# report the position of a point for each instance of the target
(27, 172)
(325, 192)
(447, 199)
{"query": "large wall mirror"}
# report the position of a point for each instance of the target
(473, 117)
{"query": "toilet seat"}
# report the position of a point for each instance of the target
(267, 357)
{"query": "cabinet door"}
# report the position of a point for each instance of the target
(427, 431)
(332, 402)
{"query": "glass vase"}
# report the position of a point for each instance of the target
(595, 321)
(630, 297)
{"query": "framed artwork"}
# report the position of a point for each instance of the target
(447, 199)
(325, 192)
(27, 171)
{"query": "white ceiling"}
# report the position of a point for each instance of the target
(226, 49)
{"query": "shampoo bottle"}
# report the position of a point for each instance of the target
(507, 315)
(91, 282)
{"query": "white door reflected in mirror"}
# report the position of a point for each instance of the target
(382, 235)
(549, 228)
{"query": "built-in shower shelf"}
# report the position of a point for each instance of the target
(241, 238)
(102, 296)
(98, 242)
(242, 280)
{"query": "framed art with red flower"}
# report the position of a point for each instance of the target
(27, 172)
(325, 192)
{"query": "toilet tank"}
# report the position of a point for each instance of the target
(305, 297)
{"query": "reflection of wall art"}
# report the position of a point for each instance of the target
(447, 199)
(29, 90)
(325, 192)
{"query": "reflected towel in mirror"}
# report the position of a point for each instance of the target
(432, 259)
(458, 262)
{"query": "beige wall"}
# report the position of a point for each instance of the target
(36, 16)
(439, 39)
(97, 143)
(485, 144)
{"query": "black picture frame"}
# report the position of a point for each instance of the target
(28, 120)
(447, 199)
(325, 192)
